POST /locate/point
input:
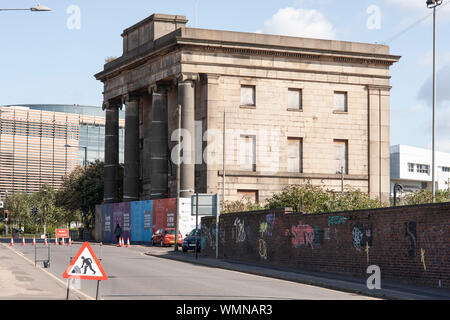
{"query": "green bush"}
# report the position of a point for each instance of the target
(315, 199)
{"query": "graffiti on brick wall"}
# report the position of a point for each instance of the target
(362, 236)
(208, 236)
(411, 238)
(270, 220)
(264, 228)
(239, 230)
(302, 235)
(262, 246)
(336, 220)
(319, 236)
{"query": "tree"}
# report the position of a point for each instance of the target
(19, 208)
(70, 196)
(425, 196)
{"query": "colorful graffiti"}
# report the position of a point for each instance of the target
(336, 220)
(302, 235)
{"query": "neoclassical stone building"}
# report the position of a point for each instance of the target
(297, 110)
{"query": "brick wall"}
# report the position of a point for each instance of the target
(410, 244)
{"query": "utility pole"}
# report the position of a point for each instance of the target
(177, 206)
(342, 179)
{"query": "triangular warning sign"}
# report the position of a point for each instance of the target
(85, 266)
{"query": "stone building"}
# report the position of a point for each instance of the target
(297, 110)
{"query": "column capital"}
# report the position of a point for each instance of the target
(371, 87)
(130, 97)
(188, 77)
(111, 104)
(160, 87)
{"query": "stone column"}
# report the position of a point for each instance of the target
(159, 139)
(379, 142)
(111, 171)
(186, 98)
(146, 152)
(131, 166)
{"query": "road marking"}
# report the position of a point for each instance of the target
(20, 254)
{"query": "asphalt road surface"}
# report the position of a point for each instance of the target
(133, 275)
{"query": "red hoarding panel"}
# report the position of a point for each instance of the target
(163, 214)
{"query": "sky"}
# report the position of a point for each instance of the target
(51, 57)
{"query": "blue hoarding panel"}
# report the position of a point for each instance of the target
(141, 221)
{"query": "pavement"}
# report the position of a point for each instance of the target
(162, 273)
(21, 280)
(389, 290)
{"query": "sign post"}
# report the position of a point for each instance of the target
(85, 266)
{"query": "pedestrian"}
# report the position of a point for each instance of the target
(118, 233)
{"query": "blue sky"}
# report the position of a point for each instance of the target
(42, 60)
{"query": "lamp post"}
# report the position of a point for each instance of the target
(84, 207)
(433, 4)
(37, 8)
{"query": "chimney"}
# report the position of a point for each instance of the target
(150, 29)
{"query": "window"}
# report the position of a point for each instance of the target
(423, 168)
(340, 101)
(410, 167)
(250, 195)
(295, 99)
(295, 155)
(247, 153)
(341, 156)
(445, 169)
(248, 96)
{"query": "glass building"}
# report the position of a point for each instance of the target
(41, 143)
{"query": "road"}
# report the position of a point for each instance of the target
(133, 275)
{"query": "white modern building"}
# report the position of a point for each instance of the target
(411, 167)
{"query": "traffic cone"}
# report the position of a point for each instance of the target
(70, 241)
(34, 240)
(45, 241)
(62, 243)
(56, 241)
(12, 241)
(122, 244)
(128, 242)
(23, 241)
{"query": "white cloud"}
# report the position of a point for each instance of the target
(299, 23)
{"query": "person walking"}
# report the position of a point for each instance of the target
(118, 233)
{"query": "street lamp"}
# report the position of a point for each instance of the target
(84, 208)
(37, 8)
(433, 4)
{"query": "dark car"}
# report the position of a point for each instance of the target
(166, 237)
(189, 241)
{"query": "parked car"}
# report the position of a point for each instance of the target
(189, 241)
(166, 237)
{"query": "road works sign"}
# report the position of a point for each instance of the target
(85, 266)
(62, 233)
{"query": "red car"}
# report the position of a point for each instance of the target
(166, 237)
